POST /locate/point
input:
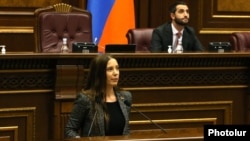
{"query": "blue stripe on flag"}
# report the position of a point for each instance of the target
(100, 10)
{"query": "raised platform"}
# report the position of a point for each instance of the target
(175, 90)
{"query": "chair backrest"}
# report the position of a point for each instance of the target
(141, 37)
(59, 21)
(240, 41)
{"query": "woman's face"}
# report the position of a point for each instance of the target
(112, 72)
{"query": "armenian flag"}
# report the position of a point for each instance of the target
(111, 19)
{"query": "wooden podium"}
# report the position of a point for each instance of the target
(186, 90)
(181, 134)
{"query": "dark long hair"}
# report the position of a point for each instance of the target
(96, 80)
(95, 87)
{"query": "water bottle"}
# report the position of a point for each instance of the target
(3, 50)
(169, 49)
(65, 48)
(179, 47)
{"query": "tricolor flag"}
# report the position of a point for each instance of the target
(111, 19)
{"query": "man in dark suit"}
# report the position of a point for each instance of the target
(167, 34)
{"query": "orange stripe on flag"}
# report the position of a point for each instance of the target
(120, 20)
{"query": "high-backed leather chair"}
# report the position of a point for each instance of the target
(240, 41)
(141, 37)
(59, 21)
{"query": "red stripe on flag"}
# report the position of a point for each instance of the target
(120, 20)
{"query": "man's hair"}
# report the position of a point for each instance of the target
(172, 7)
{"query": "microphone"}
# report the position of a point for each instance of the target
(91, 126)
(129, 104)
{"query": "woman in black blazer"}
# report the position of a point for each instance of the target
(101, 108)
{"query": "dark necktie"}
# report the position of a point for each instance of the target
(178, 35)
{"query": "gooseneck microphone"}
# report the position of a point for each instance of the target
(91, 126)
(129, 104)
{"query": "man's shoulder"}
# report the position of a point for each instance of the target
(165, 25)
(189, 28)
(164, 28)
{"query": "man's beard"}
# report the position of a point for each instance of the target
(180, 22)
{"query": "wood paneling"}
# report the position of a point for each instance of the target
(5, 138)
(23, 120)
(17, 21)
(179, 134)
(190, 80)
(217, 17)
(233, 6)
(174, 90)
(213, 20)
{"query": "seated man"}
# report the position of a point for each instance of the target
(169, 34)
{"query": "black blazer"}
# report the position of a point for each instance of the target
(80, 118)
(162, 37)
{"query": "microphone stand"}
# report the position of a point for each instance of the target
(149, 119)
(91, 126)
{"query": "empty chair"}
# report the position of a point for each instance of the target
(141, 37)
(59, 21)
(240, 41)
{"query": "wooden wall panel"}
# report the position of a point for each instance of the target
(17, 21)
(25, 3)
(37, 125)
(213, 20)
(18, 123)
(18, 16)
(219, 16)
(181, 114)
(9, 133)
(5, 138)
(234, 6)
(176, 91)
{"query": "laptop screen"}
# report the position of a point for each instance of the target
(120, 48)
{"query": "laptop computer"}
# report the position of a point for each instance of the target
(219, 47)
(120, 48)
(84, 47)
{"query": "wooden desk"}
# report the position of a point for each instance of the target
(191, 134)
(175, 90)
